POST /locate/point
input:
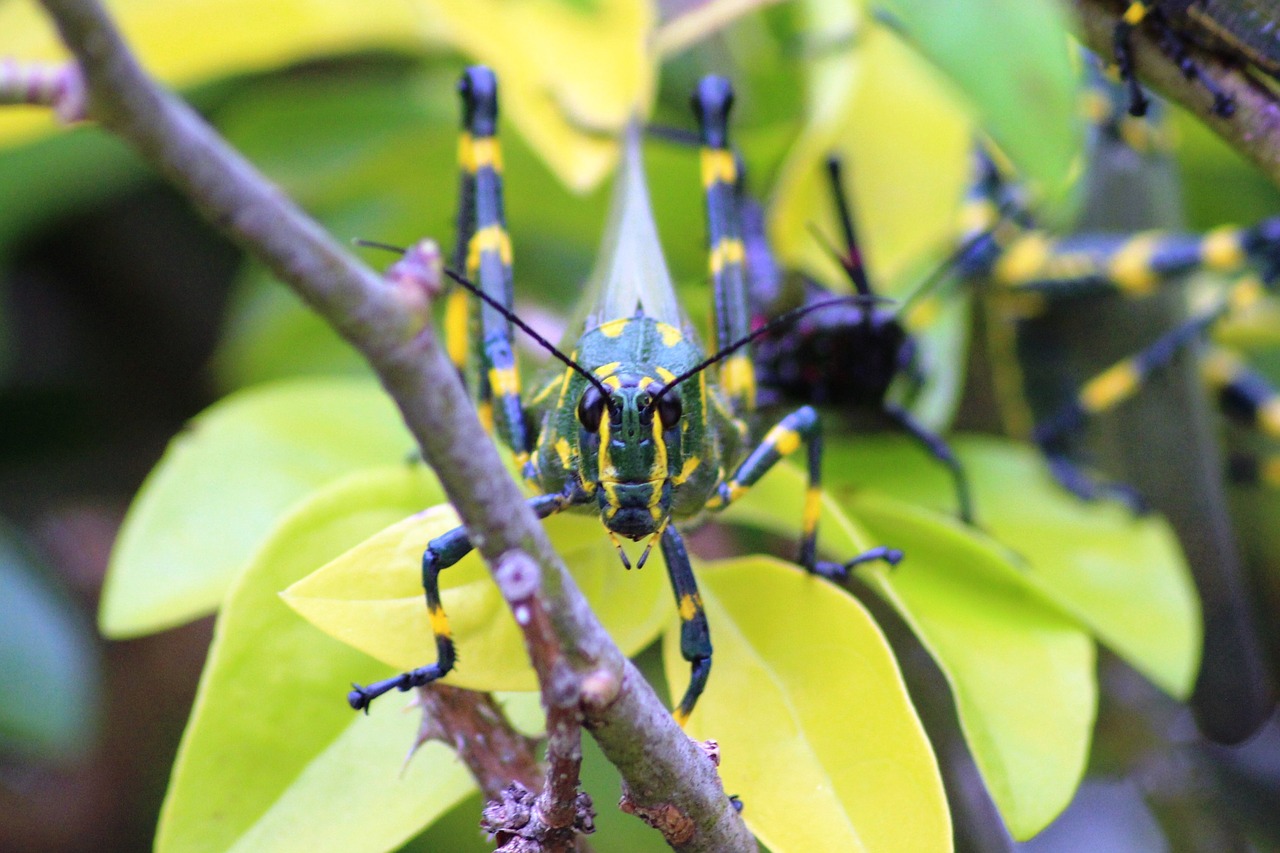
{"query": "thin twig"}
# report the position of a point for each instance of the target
(1253, 129)
(390, 327)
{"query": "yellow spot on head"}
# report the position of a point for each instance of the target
(664, 374)
(718, 165)
(607, 369)
(614, 328)
(670, 337)
(1110, 387)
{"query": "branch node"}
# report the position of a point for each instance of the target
(517, 826)
(417, 277)
(518, 579)
(59, 86)
(598, 690)
(676, 826)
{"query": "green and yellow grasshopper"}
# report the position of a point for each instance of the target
(636, 426)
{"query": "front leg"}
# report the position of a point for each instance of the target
(441, 553)
(802, 425)
(695, 634)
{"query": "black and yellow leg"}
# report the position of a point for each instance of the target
(785, 438)
(1174, 46)
(695, 636)
(1129, 265)
(1243, 394)
(441, 553)
(1106, 391)
(1121, 44)
(940, 450)
(485, 253)
(712, 101)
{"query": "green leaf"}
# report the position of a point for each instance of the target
(223, 483)
(906, 169)
(1011, 58)
(371, 597)
(1093, 559)
(272, 757)
(817, 734)
(1021, 670)
(48, 664)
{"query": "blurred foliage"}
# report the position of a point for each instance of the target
(350, 108)
(50, 705)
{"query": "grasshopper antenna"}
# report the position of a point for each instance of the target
(506, 312)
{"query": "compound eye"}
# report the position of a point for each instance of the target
(591, 409)
(670, 408)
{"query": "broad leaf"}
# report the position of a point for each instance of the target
(1011, 59)
(817, 734)
(224, 482)
(273, 758)
(1020, 670)
(1124, 577)
(371, 597)
(572, 74)
(904, 143)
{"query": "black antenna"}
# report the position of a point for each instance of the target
(774, 324)
(852, 258)
(508, 314)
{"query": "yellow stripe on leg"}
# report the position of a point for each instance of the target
(1110, 387)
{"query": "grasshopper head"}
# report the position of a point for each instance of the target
(636, 444)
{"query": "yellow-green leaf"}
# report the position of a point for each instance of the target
(1095, 560)
(817, 734)
(1011, 59)
(572, 74)
(371, 598)
(905, 145)
(273, 758)
(1020, 669)
(187, 42)
(224, 482)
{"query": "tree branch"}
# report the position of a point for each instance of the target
(390, 327)
(1254, 128)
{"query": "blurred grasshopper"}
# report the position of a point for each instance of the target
(635, 428)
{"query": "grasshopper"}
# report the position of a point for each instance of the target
(635, 428)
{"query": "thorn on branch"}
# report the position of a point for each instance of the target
(58, 86)
(418, 277)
